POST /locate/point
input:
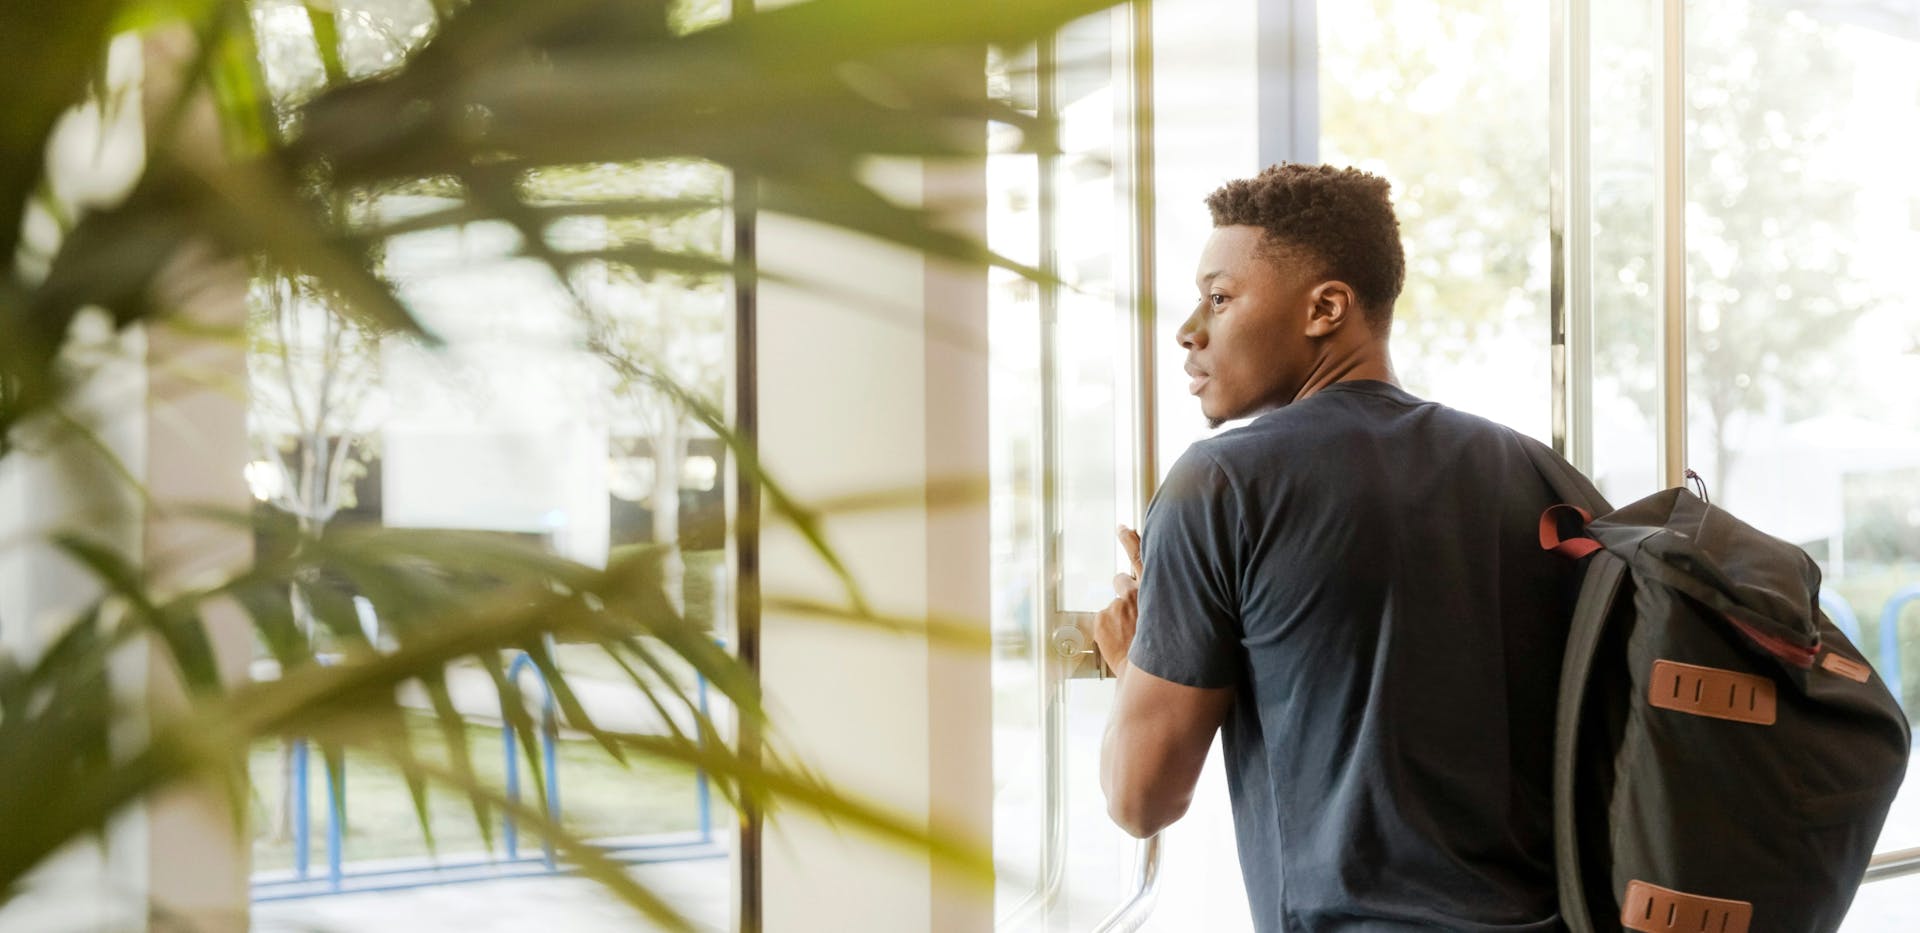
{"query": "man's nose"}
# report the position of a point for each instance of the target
(1192, 334)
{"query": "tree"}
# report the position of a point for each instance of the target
(1770, 267)
(1772, 290)
(659, 322)
(312, 370)
(1447, 98)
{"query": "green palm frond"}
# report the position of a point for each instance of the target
(499, 98)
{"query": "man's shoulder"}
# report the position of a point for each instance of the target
(1358, 440)
(1344, 409)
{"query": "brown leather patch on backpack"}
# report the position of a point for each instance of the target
(1846, 667)
(1712, 691)
(1653, 909)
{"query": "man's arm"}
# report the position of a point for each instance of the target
(1156, 742)
(1158, 733)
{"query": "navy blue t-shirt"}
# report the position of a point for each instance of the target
(1362, 567)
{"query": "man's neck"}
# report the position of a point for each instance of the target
(1369, 360)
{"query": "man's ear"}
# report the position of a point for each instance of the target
(1332, 305)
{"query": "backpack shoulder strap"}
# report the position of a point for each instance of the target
(1598, 591)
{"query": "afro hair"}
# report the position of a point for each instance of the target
(1340, 218)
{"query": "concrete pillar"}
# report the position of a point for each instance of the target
(168, 402)
(878, 384)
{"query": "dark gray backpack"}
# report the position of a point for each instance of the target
(1724, 757)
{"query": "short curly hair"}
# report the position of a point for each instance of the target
(1342, 218)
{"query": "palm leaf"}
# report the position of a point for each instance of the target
(798, 97)
(51, 60)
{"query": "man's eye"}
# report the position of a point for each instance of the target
(1216, 300)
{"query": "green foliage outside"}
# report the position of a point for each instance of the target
(1448, 98)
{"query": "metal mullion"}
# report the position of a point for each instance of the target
(1139, 66)
(1571, 231)
(746, 538)
(1671, 192)
(1047, 209)
(1051, 699)
(749, 871)
(1052, 867)
(1287, 81)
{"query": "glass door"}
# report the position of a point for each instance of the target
(1066, 440)
(1802, 322)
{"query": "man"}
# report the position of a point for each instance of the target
(1351, 586)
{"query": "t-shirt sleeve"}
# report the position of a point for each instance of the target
(1189, 627)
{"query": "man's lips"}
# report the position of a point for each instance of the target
(1196, 380)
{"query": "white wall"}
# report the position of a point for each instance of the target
(505, 428)
(551, 481)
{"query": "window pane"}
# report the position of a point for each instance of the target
(1093, 341)
(514, 428)
(1013, 316)
(1447, 99)
(1063, 212)
(1803, 219)
(1624, 167)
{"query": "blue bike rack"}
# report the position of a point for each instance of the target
(1890, 640)
(343, 878)
(549, 718)
(700, 774)
(1841, 614)
(303, 820)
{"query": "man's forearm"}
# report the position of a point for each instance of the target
(1129, 798)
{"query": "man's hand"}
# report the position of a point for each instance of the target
(1113, 628)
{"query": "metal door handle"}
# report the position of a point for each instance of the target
(1067, 655)
(1076, 657)
(1071, 643)
(1893, 865)
(1070, 655)
(1146, 884)
(1073, 647)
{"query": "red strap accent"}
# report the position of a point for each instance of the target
(1793, 654)
(1550, 539)
(1576, 548)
